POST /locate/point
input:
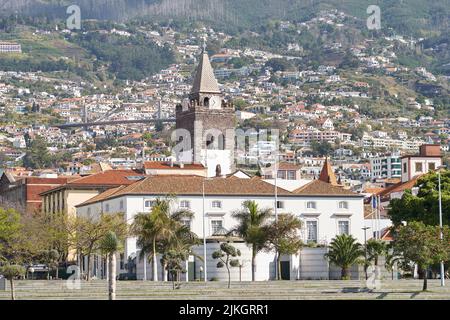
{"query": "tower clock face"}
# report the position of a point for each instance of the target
(214, 102)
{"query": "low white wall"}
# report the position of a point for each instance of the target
(313, 265)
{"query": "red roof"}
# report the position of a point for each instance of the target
(327, 174)
(373, 190)
(110, 178)
(399, 187)
(387, 235)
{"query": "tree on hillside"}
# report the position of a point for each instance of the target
(424, 206)
(252, 227)
(421, 244)
(38, 156)
(278, 64)
(283, 236)
(321, 148)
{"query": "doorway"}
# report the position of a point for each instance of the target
(285, 270)
(191, 270)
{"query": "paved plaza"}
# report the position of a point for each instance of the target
(276, 290)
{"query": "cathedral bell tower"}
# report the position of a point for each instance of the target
(208, 123)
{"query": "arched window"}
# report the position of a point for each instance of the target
(311, 205)
(206, 102)
(343, 205)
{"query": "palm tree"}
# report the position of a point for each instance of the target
(179, 246)
(344, 251)
(252, 228)
(110, 245)
(375, 249)
(391, 260)
(153, 228)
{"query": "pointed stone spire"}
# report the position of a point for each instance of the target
(205, 81)
(327, 174)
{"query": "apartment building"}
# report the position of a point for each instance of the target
(386, 166)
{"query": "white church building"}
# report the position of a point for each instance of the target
(326, 210)
(205, 119)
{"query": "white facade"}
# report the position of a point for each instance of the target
(415, 165)
(323, 218)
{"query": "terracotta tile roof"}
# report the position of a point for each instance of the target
(102, 196)
(110, 178)
(288, 166)
(166, 166)
(392, 180)
(374, 190)
(387, 235)
(192, 185)
(327, 174)
(399, 187)
(320, 188)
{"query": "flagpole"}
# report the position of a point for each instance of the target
(378, 217)
(372, 205)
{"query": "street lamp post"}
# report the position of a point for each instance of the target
(440, 225)
(201, 271)
(365, 250)
(276, 210)
(240, 271)
(204, 234)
